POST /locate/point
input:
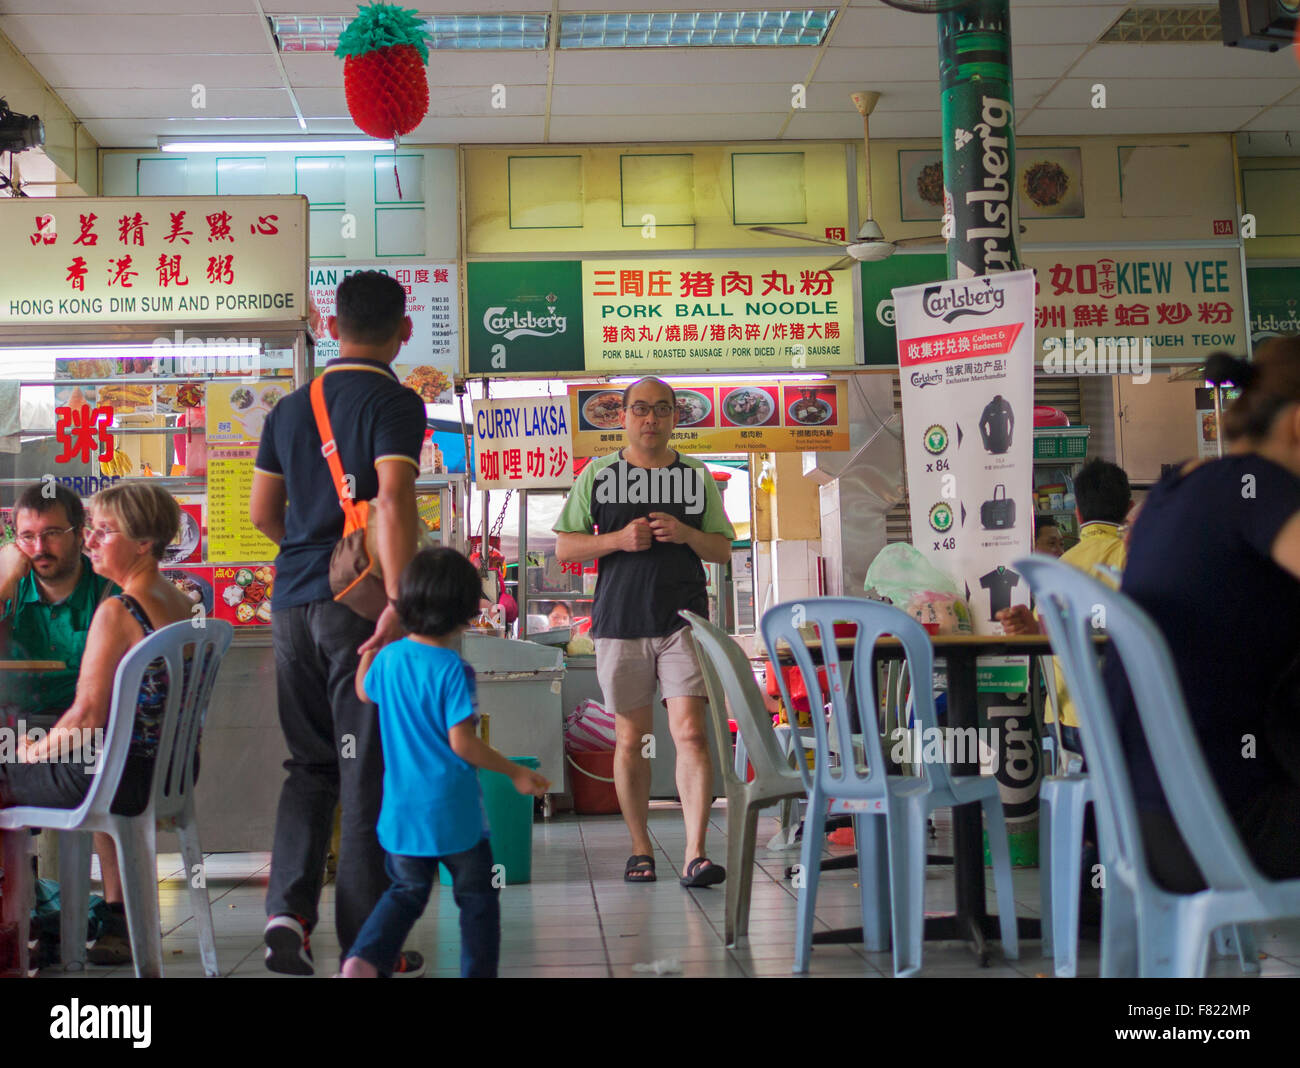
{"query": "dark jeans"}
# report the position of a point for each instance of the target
(381, 938)
(334, 757)
(1269, 827)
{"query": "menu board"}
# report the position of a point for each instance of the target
(724, 417)
(195, 583)
(428, 362)
(231, 534)
(237, 411)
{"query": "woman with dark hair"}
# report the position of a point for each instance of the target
(1214, 560)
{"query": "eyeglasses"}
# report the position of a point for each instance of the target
(663, 409)
(99, 532)
(30, 538)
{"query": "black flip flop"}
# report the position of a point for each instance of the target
(637, 870)
(702, 872)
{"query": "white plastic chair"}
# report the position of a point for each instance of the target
(892, 867)
(171, 801)
(729, 681)
(1146, 930)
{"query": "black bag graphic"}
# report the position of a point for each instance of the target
(1000, 512)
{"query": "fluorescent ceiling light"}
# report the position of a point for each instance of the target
(688, 29)
(320, 33)
(299, 145)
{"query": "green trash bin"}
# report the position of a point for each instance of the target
(510, 817)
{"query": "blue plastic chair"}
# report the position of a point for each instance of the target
(1146, 930)
(889, 811)
(171, 800)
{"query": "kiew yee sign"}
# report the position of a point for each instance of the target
(152, 259)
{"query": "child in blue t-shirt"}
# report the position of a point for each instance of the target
(433, 808)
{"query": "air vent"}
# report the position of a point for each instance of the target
(1165, 25)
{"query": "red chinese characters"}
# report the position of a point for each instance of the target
(219, 227)
(87, 235)
(83, 430)
(77, 273)
(169, 271)
(178, 231)
(120, 273)
(130, 229)
(221, 270)
(45, 232)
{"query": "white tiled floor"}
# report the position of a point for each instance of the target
(578, 918)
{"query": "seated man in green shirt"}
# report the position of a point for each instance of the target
(48, 594)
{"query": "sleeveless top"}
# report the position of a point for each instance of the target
(152, 701)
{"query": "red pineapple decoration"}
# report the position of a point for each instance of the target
(384, 56)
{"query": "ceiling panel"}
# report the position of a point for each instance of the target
(1047, 121)
(881, 64)
(1208, 61)
(37, 34)
(1287, 118)
(507, 129)
(121, 7)
(133, 104)
(674, 99)
(159, 71)
(466, 101)
(1042, 61)
(1152, 92)
(665, 128)
(1070, 23)
(877, 24)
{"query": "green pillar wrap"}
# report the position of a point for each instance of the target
(979, 141)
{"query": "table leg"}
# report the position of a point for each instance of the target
(967, 828)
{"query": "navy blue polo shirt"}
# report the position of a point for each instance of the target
(375, 420)
(1200, 564)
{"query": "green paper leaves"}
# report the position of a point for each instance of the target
(383, 26)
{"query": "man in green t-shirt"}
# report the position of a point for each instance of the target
(48, 595)
(650, 515)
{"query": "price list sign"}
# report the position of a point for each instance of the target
(231, 534)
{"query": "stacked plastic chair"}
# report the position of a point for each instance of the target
(890, 810)
(1146, 930)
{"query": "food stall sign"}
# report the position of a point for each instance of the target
(615, 316)
(1096, 312)
(152, 259)
(522, 443)
(716, 315)
(429, 361)
(725, 416)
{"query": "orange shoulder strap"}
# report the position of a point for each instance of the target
(330, 450)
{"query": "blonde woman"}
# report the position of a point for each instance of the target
(128, 527)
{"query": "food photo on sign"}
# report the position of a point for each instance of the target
(243, 594)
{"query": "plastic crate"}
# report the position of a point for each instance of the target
(1061, 443)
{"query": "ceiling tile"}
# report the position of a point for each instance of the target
(158, 71)
(665, 128)
(133, 104)
(180, 34)
(1042, 61)
(1199, 61)
(323, 70)
(1155, 92)
(1079, 122)
(877, 24)
(509, 129)
(880, 65)
(675, 99)
(1063, 23)
(1280, 119)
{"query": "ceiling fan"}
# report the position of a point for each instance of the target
(870, 245)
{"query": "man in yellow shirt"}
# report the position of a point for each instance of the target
(1102, 503)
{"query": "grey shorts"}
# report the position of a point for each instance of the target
(628, 668)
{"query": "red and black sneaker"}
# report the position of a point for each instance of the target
(288, 947)
(410, 965)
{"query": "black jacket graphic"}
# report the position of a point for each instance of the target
(996, 425)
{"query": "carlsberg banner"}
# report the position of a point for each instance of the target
(966, 362)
